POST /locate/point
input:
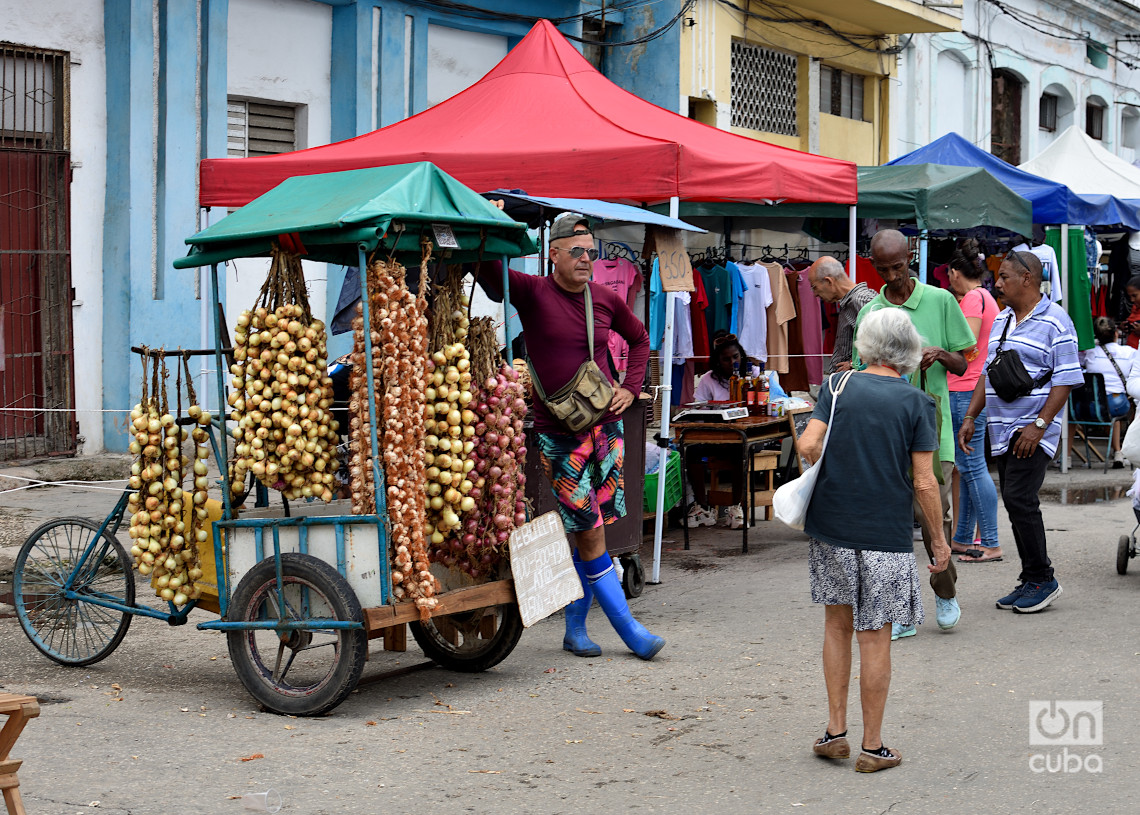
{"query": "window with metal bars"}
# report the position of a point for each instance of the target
(841, 93)
(33, 98)
(765, 87)
(260, 128)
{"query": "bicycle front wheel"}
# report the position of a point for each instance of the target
(73, 632)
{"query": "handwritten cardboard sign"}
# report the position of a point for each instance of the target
(545, 577)
(673, 261)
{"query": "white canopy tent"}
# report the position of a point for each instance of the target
(1082, 164)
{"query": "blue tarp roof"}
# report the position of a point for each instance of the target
(1053, 203)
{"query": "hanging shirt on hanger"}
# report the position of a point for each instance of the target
(624, 279)
(781, 312)
(738, 287)
(719, 289)
(811, 326)
(697, 308)
(683, 328)
(753, 328)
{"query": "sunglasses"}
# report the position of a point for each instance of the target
(1017, 256)
(576, 252)
(725, 340)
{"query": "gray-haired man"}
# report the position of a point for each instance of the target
(832, 285)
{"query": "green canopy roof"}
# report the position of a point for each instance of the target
(931, 196)
(386, 208)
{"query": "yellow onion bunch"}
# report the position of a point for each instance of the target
(448, 418)
(282, 394)
(158, 529)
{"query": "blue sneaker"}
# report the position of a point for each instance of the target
(899, 632)
(1036, 597)
(947, 612)
(1011, 598)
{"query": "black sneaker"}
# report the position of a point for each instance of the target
(1006, 603)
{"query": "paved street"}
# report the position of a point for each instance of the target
(721, 721)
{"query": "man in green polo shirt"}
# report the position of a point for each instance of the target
(945, 334)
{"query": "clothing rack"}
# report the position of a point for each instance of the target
(787, 252)
(616, 250)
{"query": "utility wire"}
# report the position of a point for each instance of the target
(780, 16)
(466, 10)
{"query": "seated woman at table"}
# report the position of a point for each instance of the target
(727, 355)
(861, 556)
(1114, 362)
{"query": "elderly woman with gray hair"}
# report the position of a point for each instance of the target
(860, 518)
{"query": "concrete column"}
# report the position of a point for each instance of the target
(351, 69)
(812, 105)
(129, 212)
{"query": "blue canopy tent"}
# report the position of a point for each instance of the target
(1053, 203)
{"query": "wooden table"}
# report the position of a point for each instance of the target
(747, 434)
(18, 709)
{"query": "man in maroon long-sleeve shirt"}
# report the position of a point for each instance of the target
(585, 469)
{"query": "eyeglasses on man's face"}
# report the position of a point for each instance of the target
(576, 252)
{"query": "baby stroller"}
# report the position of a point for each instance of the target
(1126, 546)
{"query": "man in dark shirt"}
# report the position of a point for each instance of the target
(831, 284)
(584, 468)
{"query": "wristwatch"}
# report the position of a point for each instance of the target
(1040, 423)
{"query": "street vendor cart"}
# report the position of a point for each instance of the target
(300, 588)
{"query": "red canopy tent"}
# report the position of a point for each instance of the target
(546, 121)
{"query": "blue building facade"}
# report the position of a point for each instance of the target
(168, 84)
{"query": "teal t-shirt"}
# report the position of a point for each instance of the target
(938, 319)
(720, 290)
(864, 496)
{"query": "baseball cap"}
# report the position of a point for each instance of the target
(568, 224)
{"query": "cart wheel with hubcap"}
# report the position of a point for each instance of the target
(72, 632)
(293, 671)
(470, 641)
(633, 576)
(1123, 552)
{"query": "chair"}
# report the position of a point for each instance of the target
(18, 710)
(1088, 407)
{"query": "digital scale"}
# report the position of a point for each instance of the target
(711, 415)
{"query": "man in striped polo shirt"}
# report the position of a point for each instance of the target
(1024, 433)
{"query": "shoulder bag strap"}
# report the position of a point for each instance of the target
(1001, 342)
(1107, 353)
(589, 338)
(835, 391)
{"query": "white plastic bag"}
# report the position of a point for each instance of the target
(790, 501)
(1130, 447)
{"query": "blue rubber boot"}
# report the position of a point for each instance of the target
(607, 588)
(576, 641)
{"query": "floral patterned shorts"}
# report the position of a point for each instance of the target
(880, 587)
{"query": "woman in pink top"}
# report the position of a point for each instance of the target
(977, 495)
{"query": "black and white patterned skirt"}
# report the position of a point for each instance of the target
(881, 587)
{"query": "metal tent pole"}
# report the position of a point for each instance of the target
(923, 253)
(1064, 274)
(666, 398)
(851, 243)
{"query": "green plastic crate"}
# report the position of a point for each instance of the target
(672, 485)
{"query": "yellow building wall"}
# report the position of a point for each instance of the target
(706, 61)
(846, 139)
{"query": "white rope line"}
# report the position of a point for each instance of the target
(33, 483)
(62, 410)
